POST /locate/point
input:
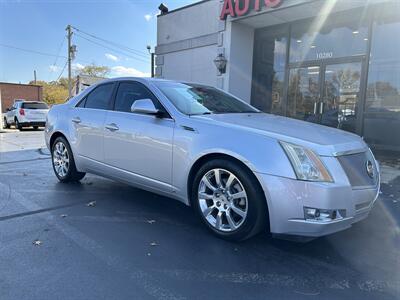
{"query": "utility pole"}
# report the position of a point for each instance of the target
(69, 36)
(152, 60)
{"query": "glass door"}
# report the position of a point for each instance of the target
(326, 93)
(339, 106)
(304, 93)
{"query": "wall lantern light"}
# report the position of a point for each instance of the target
(220, 63)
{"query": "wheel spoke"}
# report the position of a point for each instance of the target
(238, 211)
(229, 181)
(208, 211)
(206, 196)
(217, 175)
(238, 195)
(208, 184)
(230, 220)
(218, 220)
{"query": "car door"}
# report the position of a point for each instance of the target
(139, 146)
(87, 121)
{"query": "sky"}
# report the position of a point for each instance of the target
(39, 26)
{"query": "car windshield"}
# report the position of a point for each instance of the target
(35, 105)
(194, 99)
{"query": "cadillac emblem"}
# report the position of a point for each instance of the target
(369, 166)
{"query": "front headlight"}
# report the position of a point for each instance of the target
(306, 163)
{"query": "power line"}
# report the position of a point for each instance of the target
(62, 71)
(32, 51)
(125, 48)
(112, 49)
(59, 50)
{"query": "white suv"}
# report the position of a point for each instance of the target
(26, 114)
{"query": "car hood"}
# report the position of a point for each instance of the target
(326, 141)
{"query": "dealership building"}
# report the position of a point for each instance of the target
(332, 62)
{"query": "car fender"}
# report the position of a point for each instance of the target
(265, 155)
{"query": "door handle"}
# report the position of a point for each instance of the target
(76, 120)
(112, 127)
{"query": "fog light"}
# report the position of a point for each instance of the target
(311, 213)
(322, 215)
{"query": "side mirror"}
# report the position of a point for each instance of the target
(144, 106)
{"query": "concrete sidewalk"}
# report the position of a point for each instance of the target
(14, 140)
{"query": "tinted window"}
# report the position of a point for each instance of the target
(81, 103)
(382, 107)
(129, 92)
(35, 105)
(100, 97)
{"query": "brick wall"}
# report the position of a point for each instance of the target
(11, 91)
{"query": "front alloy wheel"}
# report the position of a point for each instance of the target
(222, 200)
(229, 199)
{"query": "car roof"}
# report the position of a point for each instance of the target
(148, 79)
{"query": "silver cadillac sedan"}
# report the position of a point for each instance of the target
(243, 171)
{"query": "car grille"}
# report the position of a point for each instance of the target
(355, 167)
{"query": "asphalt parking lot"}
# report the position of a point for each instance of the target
(104, 240)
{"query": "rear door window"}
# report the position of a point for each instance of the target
(100, 97)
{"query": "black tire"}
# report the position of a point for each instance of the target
(18, 125)
(257, 212)
(5, 124)
(72, 174)
(35, 127)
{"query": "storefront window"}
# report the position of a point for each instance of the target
(312, 41)
(382, 108)
(269, 70)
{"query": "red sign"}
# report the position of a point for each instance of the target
(237, 8)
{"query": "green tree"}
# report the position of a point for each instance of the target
(94, 70)
(53, 92)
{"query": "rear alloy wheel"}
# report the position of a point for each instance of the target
(63, 162)
(229, 200)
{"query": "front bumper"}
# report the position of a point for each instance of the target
(287, 198)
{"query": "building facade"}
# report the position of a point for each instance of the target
(333, 62)
(11, 91)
